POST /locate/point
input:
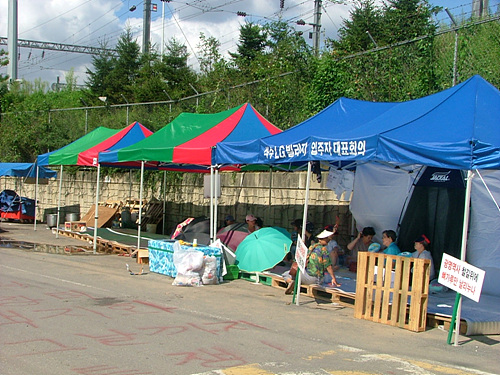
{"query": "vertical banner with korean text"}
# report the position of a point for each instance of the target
(301, 254)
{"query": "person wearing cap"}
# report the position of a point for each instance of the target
(421, 245)
(229, 219)
(297, 230)
(389, 241)
(319, 266)
(360, 243)
(252, 223)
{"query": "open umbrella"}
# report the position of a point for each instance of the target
(198, 228)
(263, 249)
(233, 234)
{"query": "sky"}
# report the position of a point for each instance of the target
(93, 22)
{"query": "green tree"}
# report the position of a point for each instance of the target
(365, 18)
(99, 80)
(126, 68)
(175, 70)
(252, 42)
(3, 77)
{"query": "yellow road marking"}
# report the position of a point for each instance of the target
(439, 368)
(253, 369)
(319, 355)
(350, 373)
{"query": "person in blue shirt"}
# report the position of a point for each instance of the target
(389, 241)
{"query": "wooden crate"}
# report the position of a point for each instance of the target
(400, 300)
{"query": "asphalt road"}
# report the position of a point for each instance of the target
(85, 314)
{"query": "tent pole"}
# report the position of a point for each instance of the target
(212, 203)
(59, 201)
(304, 223)
(463, 251)
(164, 201)
(36, 197)
(216, 200)
(140, 208)
(96, 212)
(270, 186)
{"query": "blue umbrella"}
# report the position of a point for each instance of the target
(263, 249)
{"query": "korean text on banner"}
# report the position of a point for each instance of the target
(461, 277)
(301, 254)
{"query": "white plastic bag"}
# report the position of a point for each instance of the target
(189, 264)
(209, 275)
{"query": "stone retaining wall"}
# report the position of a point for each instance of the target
(241, 193)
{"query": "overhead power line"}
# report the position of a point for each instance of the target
(58, 46)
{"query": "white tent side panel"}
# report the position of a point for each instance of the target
(483, 247)
(380, 193)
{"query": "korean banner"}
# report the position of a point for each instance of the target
(301, 254)
(461, 277)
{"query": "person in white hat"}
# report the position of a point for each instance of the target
(319, 265)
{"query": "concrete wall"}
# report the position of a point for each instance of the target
(241, 193)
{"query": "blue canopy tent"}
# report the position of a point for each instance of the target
(25, 170)
(457, 128)
(26, 206)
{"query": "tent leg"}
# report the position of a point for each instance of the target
(212, 226)
(140, 208)
(216, 201)
(304, 220)
(59, 202)
(164, 201)
(96, 212)
(36, 197)
(463, 251)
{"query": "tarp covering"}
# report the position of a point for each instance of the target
(25, 170)
(189, 138)
(84, 150)
(455, 128)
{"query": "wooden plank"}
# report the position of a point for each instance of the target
(360, 300)
(106, 215)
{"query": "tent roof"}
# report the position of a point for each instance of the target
(25, 170)
(187, 141)
(84, 151)
(455, 128)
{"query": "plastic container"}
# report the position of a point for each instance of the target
(52, 220)
(73, 216)
(233, 272)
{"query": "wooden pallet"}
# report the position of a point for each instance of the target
(333, 296)
(103, 245)
(392, 290)
(437, 321)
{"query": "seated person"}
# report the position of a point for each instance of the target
(360, 243)
(333, 247)
(252, 223)
(229, 219)
(297, 230)
(318, 265)
(389, 241)
(421, 245)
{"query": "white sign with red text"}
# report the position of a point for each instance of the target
(461, 277)
(301, 254)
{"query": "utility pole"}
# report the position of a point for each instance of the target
(480, 8)
(316, 25)
(12, 37)
(146, 26)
